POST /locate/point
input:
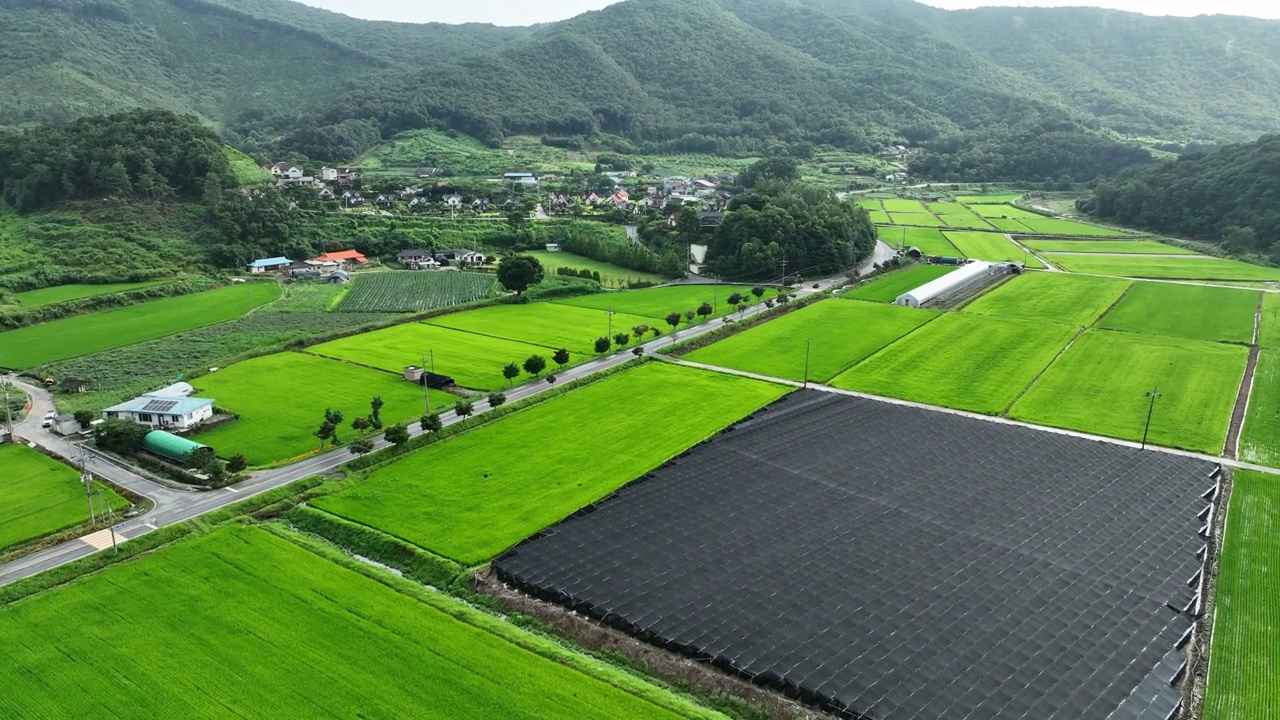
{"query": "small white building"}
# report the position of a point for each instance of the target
(553, 247)
(162, 411)
(955, 280)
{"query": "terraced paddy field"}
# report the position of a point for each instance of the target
(473, 361)
(900, 205)
(948, 208)
(1100, 386)
(1009, 226)
(550, 325)
(87, 334)
(493, 486)
(1008, 212)
(886, 288)
(966, 222)
(1197, 312)
(963, 361)
(1054, 297)
(1068, 228)
(40, 496)
(280, 400)
(267, 628)
(992, 247)
(1192, 267)
(656, 303)
(1260, 439)
(1244, 672)
(994, 199)
(610, 275)
(920, 219)
(879, 217)
(1121, 247)
(928, 240)
(1269, 329)
(843, 333)
(66, 293)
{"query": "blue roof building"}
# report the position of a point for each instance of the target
(162, 411)
(266, 264)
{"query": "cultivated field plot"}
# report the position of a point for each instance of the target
(1114, 247)
(1269, 329)
(86, 334)
(1051, 226)
(1260, 440)
(1198, 312)
(270, 629)
(1192, 267)
(494, 485)
(966, 222)
(896, 205)
(1245, 678)
(610, 275)
(927, 240)
(870, 204)
(1014, 573)
(40, 496)
(879, 217)
(997, 199)
(1009, 226)
(66, 293)
(948, 208)
(1055, 297)
(473, 361)
(1099, 386)
(920, 219)
(1004, 211)
(550, 325)
(886, 288)
(843, 333)
(992, 247)
(968, 362)
(414, 291)
(280, 400)
(657, 303)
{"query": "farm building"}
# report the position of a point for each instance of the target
(344, 257)
(418, 259)
(268, 264)
(964, 280)
(170, 446)
(162, 411)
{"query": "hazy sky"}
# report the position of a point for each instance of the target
(524, 12)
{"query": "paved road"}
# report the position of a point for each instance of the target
(174, 506)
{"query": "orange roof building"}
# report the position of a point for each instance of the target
(343, 256)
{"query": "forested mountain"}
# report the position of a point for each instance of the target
(1230, 196)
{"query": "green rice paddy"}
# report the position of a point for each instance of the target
(879, 217)
(992, 247)
(66, 293)
(1260, 439)
(1100, 386)
(896, 205)
(656, 303)
(610, 275)
(1121, 247)
(551, 325)
(1197, 312)
(1004, 211)
(966, 222)
(476, 494)
(921, 219)
(886, 288)
(995, 199)
(40, 496)
(1054, 297)
(1054, 226)
(928, 240)
(1269, 329)
(1189, 268)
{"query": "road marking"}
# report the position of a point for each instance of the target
(101, 540)
(230, 489)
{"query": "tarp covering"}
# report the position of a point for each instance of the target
(169, 445)
(892, 562)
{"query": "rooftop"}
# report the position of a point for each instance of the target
(343, 255)
(161, 405)
(270, 262)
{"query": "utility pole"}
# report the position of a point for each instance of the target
(8, 411)
(784, 268)
(87, 479)
(808, 346)
(1154, 395)
(610, 313)
(425, 387)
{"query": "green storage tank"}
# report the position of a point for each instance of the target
(169, 445)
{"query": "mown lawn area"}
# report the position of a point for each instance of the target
(267, 628)
(610, 275)
(928, 240)
(550, 325)
(1260, 439)
(65, 293)
(1054, 297)
(1198, 312)
(925, 219)
(886, 288)
(40, 496)
(1192, 267)
(1053, 226)
(1269, 329)
(992, 247)
(1099, 386)
(85, 334)
(656, 303)
(1004, 211)
(966, 222)
(473, 361)
(963, 361)
(1244, 681)
(280, 400)
(896, 205)
(843, 333)
(1120, 247)
(996, 199)
(476, 494)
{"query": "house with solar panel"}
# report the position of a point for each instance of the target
(170, 408)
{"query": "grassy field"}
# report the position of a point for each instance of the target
(1099, 386)
(886, 288)
(550, 325)
(966, 222)
(879, 217)
(843, 333)
(899, 205)
(1197, 312)
(969, 362)
(1004, 211)
(1260, 439)
(1009, 226)
(657, 303)
(1069, 228)
(493, 486)
(1244, 674)
(928, 240)
(414, 291)
(610, 275)
(280, 400)
(922, 219)
(1188, 268)
(85, 334)
(244, 623)
(40, 496)
(1269, 329)
(1122, 247)
(246, 169)
(992, 247)
(64, 293)
(996, 199)
(473, 361)
(1055, 297)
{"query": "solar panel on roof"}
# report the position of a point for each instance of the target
(160, 406)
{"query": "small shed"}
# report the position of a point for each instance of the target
(66, 425)
(413, 373)
(435, 381)
(176, 390)
(170, 446)
(553, 247)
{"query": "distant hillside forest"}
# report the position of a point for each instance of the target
(997, 93)
(1230, 196)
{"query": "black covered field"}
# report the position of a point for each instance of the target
(891, 562)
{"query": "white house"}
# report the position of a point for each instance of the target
(288, 173)
(328, 174)
(268, 264)
(162, 411)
